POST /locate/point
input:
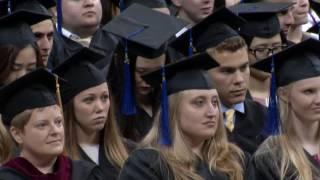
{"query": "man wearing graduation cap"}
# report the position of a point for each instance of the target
(43, 30)
(244, 118)
(264, 37)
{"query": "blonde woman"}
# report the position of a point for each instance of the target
(199, 148)
(294, 153)
(30, 109)
(91, 131)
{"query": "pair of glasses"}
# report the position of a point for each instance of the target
(261, 53)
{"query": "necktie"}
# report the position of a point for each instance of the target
(229, 115)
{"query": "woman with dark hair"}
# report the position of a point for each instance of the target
(19, 52)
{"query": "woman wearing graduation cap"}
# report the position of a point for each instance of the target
(19, 52)
(294, 150)
(31, 108)
(188, 138)
(91, 129)
(145, 34)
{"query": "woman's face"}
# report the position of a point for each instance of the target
(43, 135)
(25, 62)
(304, 99)
(143, 66)
(91, 108)
(199, 114)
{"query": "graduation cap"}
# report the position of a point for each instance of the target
(298, 62)
(15, 28)
(187, 74)
(147, 3)
(34, 90)
(220, 25)
(36, 6)
(262, 20)
(80, 73)
(145, 33)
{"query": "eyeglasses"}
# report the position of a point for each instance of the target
(261, 53)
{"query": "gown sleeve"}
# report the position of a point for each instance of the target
(144, 164)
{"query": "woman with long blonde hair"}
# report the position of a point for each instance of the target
(196, 146)
(295, 152)
(91, 129)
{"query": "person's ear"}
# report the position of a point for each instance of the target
(283, 94)
(16, 135)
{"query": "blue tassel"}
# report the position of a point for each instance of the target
(121, 5)
(9, 7)
(165, 137)
(190, 49)
(272, 125)
(128, 102)
(59, 16)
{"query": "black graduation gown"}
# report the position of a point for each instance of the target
(102, 41)
(267, 166)
(80, 170)
(109, 171)
(147, 164)
(247, 133)
(137, 126)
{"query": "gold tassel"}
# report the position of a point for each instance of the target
(58, 94)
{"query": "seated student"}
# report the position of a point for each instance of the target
(30, 109)
(263, 37)
(244, 118)
(142, 57)
(18, 49)
(42, 30)
(91, 128)
(294, 152)
(188, 138)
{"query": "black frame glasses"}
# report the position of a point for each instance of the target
(261, 53)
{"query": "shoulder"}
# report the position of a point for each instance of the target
(254, 106)
(9, 173)
(144, 164)
(85, 170)
(266, 160)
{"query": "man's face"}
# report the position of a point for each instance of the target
(81, 14)
(194, 10)
(232, 76)
(43, 31)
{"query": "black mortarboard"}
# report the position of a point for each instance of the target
(214, 29)
(147, 31)
(15, 28)
(34, 90)
(184, 74)
(295, 63)
(147, 3)
(80, 73)
(37, 6)
(262, 20)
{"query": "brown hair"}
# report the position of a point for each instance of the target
(8, 55)
(217, 152)
(231, 45)
(114, 148)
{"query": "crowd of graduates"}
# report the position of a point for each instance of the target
(159, 89)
